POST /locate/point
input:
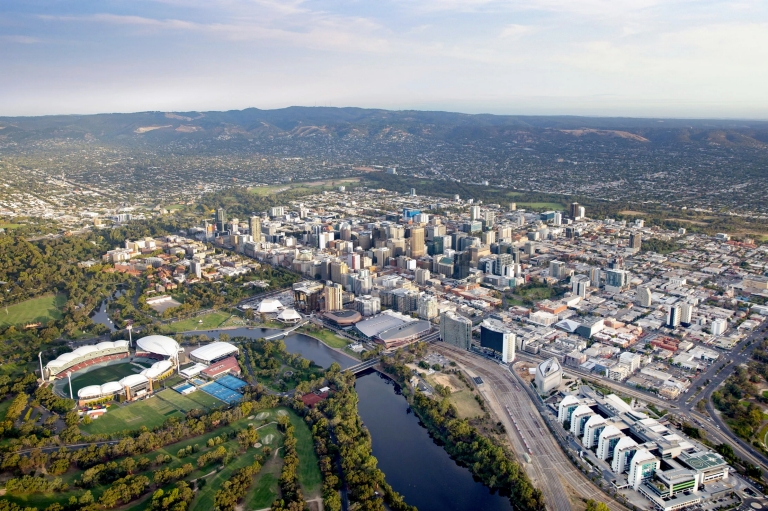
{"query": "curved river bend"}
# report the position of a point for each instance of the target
(414, 464)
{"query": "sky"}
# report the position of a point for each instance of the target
(645, 58)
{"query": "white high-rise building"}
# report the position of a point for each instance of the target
(580, 285)
(609, 438)
(592, 430)
(474, 213)
(686, 313)
(566, 408)
(579, 418)
(427, 307)
(719, 326)
(673, 316)
(456, 330)
(622, 454)
(642, 467)
(549, 375)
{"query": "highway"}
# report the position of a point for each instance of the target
(550, 469)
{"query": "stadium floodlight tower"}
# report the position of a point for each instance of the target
(130, 338)
(69, 377)
(42, 375)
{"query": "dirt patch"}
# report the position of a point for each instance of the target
(282, 413)
(145, 129)
(262, 415)
(447, 381)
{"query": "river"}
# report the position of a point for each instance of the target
(414, 465)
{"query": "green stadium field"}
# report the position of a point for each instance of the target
(36, 310)
(198, 399)
(150, 412)
(103, 375)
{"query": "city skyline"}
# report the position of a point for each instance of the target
(650, 58)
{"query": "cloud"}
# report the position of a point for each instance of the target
(20, 39)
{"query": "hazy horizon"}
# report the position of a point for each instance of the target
(601, 58)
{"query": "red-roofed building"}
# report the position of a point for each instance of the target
(312, 399)
(227, 366)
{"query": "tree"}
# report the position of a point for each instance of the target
(596, 506)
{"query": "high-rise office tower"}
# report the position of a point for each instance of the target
(254, 228)
(456, 330)
(617, 279)
(339, 270)
(333, 297)
(416, 242)
(594, 276)
(686, 314)
(635, 240)
(474, 213)
(345, 231)
(421, 276)
(573, 210)
(580, 285)
(557, 269)
(673, 316)
(221, 219)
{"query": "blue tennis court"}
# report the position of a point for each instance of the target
(221, 392)
(231, 382)
(184, 387)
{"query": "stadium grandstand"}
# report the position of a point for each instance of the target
(132, 386)
(85, 356)
(214, 352)
(158, 347)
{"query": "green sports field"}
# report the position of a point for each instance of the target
(151, 412)
(540, 205)
(36, 310)
(103, 375)
(198, 399)
(209, 322)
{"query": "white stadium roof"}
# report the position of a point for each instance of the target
(89, 391)
(159, 345)
(132, 380)
(214, 351)
(85, 352)
(157, 369)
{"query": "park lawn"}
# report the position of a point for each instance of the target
(540, 205)
(204, 499)
(310, 477)
(36, 310)
(102, 375)
(4, 407)
(189, 401)
(326, 336)
(536, 293)
(209, 321)
(466, 404)
(266, 489)
(150, 412)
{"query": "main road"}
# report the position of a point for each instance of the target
(550, 469)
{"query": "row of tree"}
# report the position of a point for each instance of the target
(487, 459)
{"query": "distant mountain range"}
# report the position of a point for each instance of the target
(383, 125)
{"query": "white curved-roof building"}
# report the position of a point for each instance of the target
(133, 380)
(82, 356)
(159, 345)
(213, 352)
(98, 391)
(157, 369)
(269, 306)
(289, 316)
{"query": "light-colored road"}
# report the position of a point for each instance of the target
(550, 469)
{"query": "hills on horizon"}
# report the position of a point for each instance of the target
(339, 123)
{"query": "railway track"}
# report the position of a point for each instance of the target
(549, 468)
